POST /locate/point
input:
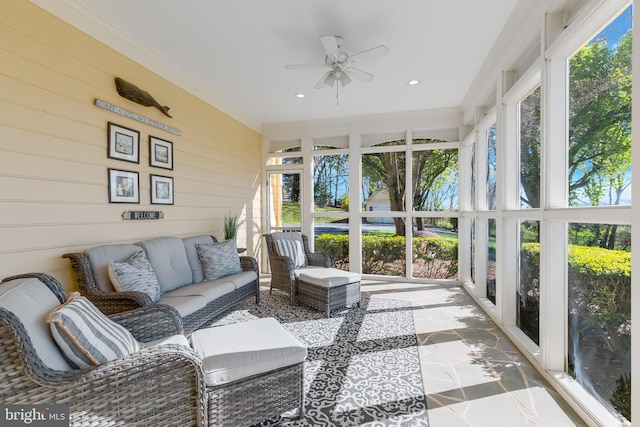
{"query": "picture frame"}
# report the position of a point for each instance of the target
(160, 153)
(124, 143)
(161, 190)
(124, 186)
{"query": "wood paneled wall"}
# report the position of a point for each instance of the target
(53, 150)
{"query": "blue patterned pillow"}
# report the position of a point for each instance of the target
(219, 259)
(292, 249)
(135, 274)
(86, 336)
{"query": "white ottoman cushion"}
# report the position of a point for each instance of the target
(328, 277)
(171, 339)
(240, 350)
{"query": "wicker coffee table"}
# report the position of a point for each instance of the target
(328, 289)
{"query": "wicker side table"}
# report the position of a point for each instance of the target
(327, 289)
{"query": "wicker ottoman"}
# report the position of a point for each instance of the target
(327, 289)
(253, 371)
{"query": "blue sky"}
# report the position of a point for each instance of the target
(617, 28)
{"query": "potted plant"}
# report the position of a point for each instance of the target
(230, 226)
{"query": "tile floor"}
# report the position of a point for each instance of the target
(473, 375)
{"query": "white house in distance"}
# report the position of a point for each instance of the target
(379, 202)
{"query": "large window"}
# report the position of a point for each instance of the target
(528, 291)
(491, 168)
(529, 109)
(599, 169)
(426, 173)
(435, 180)
(599, 341)
(599, 174)
(331, 204)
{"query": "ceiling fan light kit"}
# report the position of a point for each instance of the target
(341, 64)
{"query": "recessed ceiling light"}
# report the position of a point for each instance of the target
(299, 95)
(413, 82)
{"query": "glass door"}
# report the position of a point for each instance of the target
(284, 198)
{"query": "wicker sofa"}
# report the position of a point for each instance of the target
(166, 380)
(180, 275)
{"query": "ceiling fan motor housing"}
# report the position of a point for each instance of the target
(332, 60)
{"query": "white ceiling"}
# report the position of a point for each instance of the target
(232, 53)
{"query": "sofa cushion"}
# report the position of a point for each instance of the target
(219, 259)
(135, 274)
(192, 254)
(240, 350)
(208, 290)
(239, 279)
(168, 258)
(185, 305)
(31, 301)
(292, 249)
(101, 256)
(86, 336)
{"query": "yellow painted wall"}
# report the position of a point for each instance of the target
(53, 150)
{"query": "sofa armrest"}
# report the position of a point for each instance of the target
(150, 323)
(116, 302)
(82, 271)
(249, 264)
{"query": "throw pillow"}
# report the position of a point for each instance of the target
(219, 259)
(135, 274)
(291, 249)
(86, 336)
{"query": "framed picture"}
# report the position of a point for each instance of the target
(160, 153)
(161, 190)
(124, 186)
(124, 143)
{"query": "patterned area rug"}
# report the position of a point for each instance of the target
(362, 367)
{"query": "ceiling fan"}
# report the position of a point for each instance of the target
(341, 64)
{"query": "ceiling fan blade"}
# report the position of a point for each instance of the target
(326, 79)
(344, 79)
(330, 44)
(359, 74)
(373, 53)
(303, 66)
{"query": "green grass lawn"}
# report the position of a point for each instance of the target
(291, 213)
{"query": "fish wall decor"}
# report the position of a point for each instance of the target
(134, 93)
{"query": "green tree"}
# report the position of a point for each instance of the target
(599, 131)
(530, 149)
(432, 170)
(330, 175)
(600, 118)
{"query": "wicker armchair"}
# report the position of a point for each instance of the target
(163, 384)
(283, 269)
(159, 385)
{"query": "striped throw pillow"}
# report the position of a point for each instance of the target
(291, 249)
(135, 274)
(86, 336)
